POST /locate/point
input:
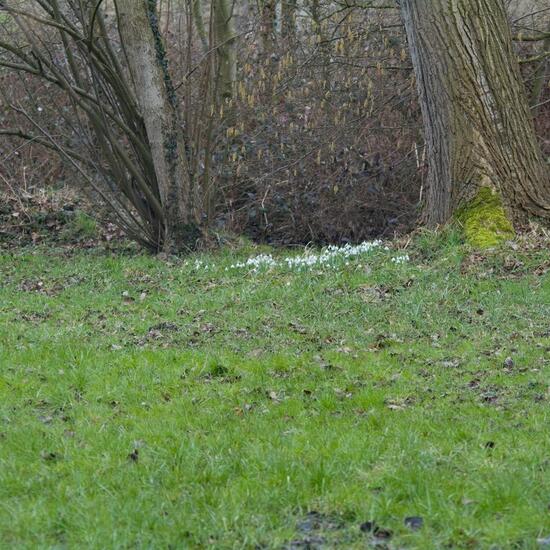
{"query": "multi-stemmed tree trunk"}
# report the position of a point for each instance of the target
(138, 28)
(485, 165)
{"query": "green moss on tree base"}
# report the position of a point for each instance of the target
(484, 220)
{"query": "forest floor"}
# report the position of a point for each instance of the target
(395, 397)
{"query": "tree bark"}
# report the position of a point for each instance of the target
(540, 76)
(268, 20)
(224, 35)
(288, 19)
(140, 36)
(478, 126)
(199, 23)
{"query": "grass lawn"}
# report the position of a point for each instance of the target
(146, 404)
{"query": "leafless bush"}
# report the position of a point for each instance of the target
(322, 136)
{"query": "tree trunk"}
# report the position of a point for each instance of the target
(139, 33)
(540, 76)
(484, 162)
(323, 45)
(199, 23)
(288, 19)
(268, 20)
(224, 35)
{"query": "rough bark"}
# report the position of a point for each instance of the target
(478, 126)
(138, 28)
(199, 23)
(540, 76)
(224, 34)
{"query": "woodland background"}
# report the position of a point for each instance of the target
(318, 138)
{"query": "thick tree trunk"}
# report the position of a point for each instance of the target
(138, 28)
(199, 23)
(224, 34)
(540, 76)
(479, 131)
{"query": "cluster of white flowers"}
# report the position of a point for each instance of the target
(331, 257)
(400, 259)
(262, 261)
(201, 266)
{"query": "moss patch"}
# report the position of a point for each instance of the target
(484, 220)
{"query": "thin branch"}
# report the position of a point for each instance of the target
(30, 138)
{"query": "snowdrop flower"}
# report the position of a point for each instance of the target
(330, 257)
(400, 259)
(200, 265)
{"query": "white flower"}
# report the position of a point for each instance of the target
(332, 257)
(329, 257)
(400, 259)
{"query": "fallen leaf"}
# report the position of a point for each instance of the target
(274, 397)
(414, 522)
(126, 298)
(296, 327)
(384, 534)
(368, 526)
(134, 455)
(48, 456)
(342, 394)
(378, 532)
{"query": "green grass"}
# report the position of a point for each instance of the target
(80, 226)
(153, 405)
